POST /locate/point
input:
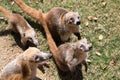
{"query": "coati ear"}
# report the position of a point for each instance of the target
(74, 46)
(77, 13)
(71, 20)
(84, 39)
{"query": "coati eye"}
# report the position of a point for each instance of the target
(30, 39)
(71, 19)
(36, 58)
(81, 47)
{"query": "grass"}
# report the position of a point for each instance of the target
(102, 67)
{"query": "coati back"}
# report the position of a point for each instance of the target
(20, 25)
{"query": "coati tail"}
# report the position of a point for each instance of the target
(30, 11)
(5, 12)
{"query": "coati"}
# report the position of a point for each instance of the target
(38, 15)
(21, 26)
(72, 54)
(61, 22)
(27, 61)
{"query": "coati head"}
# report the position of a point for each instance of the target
(72, 18)
(34, 55)
(83, 45)
(30, 36)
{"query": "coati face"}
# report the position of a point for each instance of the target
(34, 55)
(83, 45)
(31, 37)
(73, 18)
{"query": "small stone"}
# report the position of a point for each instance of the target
(98, 53)
(90, 18)
(86, 24)
(100, 37)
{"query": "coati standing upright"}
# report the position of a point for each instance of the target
(69, 55)
(21, 26)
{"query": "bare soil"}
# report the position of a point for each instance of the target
(8, 51)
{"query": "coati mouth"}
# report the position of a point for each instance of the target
(31, 44)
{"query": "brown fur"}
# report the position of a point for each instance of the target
(41, 18)
(25, 65)
(24, 74)
(62, 23)
(20, 25)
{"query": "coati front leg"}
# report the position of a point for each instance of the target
(78, 35)
(72, 65)
(85, 64)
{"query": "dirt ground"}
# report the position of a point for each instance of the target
(7, 53)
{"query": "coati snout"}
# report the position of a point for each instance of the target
(37, 55)
(41, 57)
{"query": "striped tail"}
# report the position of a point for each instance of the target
(5, 12)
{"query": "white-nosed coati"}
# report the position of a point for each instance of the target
(20, 25)
(25, 65)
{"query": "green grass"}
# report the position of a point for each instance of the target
(108, 25)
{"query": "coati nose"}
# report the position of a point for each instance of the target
(90, 48)
(78, 23)
(50, 56)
